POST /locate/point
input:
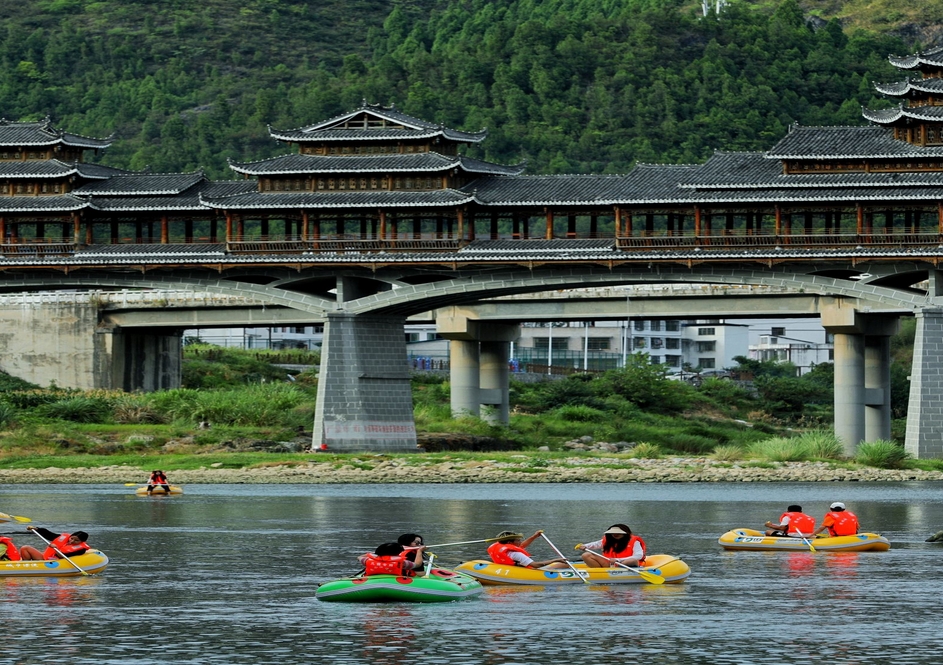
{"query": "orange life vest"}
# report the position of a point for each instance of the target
(799, 523)
(386, 565)
(845, 523)
(10, 553)
(62, 542)
(499, 553)
(627, 551)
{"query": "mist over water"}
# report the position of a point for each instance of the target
(227, 574)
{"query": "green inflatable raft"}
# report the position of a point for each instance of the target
(437, 586)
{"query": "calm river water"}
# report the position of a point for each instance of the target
(227, 574)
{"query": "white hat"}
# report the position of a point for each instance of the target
(614, 529)
(838, 505)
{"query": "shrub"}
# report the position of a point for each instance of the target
(136, 410)
(645, 384)
(579, 413)
(79, 410)
(882, 454)
(691, 443)
(646, 451)
(727, 453)
(779, 449)
(7, 414)
(821, 444)
(8, 383)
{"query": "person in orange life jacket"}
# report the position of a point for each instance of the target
(838, 521)
(411, 543)
(388, 559)
(158, 479)
(70, 544)
(8, 551)
(618, 544)
(509, 551)
(793, 523)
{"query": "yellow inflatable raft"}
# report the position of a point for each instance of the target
(750, 539)
(158, 491)
(671, 568)
(91, 562)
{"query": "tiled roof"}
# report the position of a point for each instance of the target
(45, 168)
(932, 57)
(847, 143)
(307, 164)
(478, 166)
(739, 170)
(415, 128)
(887, 116)
(43, 133)
(98, 171)
(339, 199)
(548, 189)
(41, 204)
(201, 250)
(190, 200)
(538, 245)
(900, 88)
(142, 184)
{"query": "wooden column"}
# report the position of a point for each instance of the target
(228, 225)
(778, 225)
(364, 227)
(617, 221)
(165, 230)
(305, 225)
(138, 232)
(494, 226)
(3, 229)
(382, 225)
(697, 222)
(316, 227)
(516, 226)
(859, 210)
(471, 226)
(214, 230)
(571, 226)
(76, 229)
(89, 233)
(188, 230)
(548, 234)
(439, 225)
(460, 216)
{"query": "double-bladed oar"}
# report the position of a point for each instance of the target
(644, 574)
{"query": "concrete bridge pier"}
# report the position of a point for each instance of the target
(862, 373)
(365, 400)
(478, 355)
(924, 438)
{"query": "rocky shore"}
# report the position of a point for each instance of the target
(526, 470)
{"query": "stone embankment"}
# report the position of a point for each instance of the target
(522, 469)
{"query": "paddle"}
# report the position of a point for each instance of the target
(77, 566)
(644, 574)
(466, 542)
(805, 540)
(429, 564)
(581, 575)
(10, 518)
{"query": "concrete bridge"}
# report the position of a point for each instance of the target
(364, 398)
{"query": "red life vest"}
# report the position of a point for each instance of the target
(11, 553)
(627, 551)
(386, 565)
(844, 523)
(799, 523)
(62, 542)
(499, 553)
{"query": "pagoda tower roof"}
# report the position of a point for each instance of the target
(901, 88)
(856, 143)
(372, 122)
(43, 133)
(932, 57)
(889, 116)
(429, 162)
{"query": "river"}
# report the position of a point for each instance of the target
(227, 573)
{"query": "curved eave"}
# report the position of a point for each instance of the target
(356, 200)
(883, 116)
(916, 61)
(901, 88)
(238, 168)
(18, 204)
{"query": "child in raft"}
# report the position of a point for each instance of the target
(510, 551)
(388, 559)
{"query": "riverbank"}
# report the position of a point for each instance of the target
(414, 469)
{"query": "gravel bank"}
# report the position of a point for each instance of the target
(569, 470)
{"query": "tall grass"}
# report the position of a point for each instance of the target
(882, 454)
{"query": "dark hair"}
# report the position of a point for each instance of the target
(81, 535)
(389, 549)
(406, 540)
(609, 539)
(794, 509)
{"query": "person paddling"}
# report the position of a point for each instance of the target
(413, 548)
(158, 479)
(619, 545)
(69, 544)
(793, 523)
(839, 521)
(509, 550)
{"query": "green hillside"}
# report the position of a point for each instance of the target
(569, 85)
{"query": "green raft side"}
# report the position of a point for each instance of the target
(390, 588)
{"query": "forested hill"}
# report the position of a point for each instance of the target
(569, 85)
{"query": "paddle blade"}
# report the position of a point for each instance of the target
(133, 484)
(6, 518)
(651, 578)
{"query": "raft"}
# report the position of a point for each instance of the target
(158, 491)
(750, 539)
(440, 586)
(672, 568)
(91, 562)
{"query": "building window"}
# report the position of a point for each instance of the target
(672, 326)
(363, 183)
(598, 343)
(398, 183)
(342, 183)
(320, 183)
(705, 331)
(373, 183)
(706, 347)
(779, 332)
(706, 363)
(656, 326)
(672, 343)
(638, 342)
(556, 343)
(640, 325)
(673, 361)
(330, 183)
(657, 342)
